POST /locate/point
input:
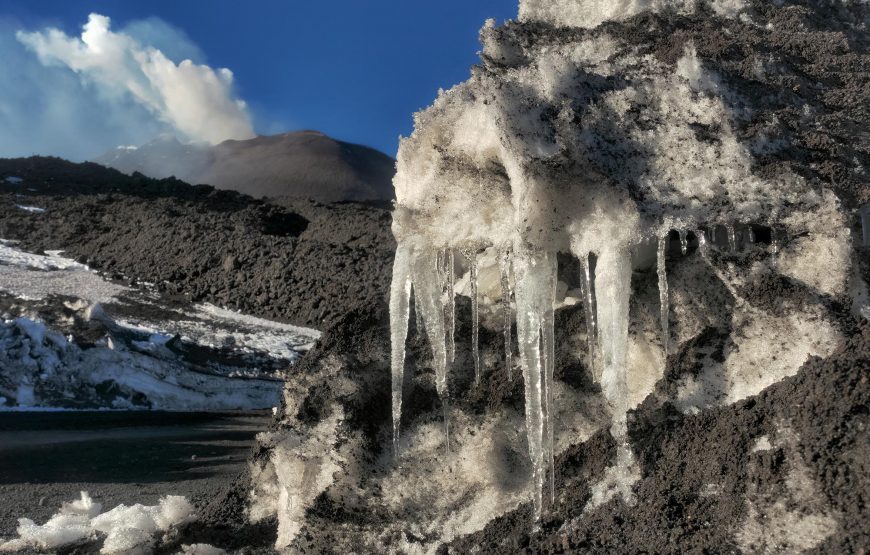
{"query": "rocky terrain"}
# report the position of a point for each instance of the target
(304, 262)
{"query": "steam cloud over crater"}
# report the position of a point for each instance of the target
(196, 100)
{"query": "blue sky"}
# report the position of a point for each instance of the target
(356, 70)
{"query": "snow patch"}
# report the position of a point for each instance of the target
(13, 180)
(34, 209)
(126, 529)
(36, 276)
(201, 549)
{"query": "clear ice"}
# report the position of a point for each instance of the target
(535, 292)
(591, 333)
(684, 244)
(507, 315)
(475, 313)
(661, 269)
(428, 289)
(612, 292)
(448, 274)
(732, 238)
(400, 294)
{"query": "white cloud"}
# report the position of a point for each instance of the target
(194, 100)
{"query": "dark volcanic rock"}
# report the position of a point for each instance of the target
(306, 264)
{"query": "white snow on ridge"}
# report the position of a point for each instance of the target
(34, 209)
(51, 260)
(12, 180)
(211, 326)
(33, 277)
(132, 366)
(264, 335)
(127, 529)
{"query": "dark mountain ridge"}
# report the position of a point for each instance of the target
(305, 164)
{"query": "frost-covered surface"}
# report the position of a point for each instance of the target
(591, 13)
(582, 144)
(591, 145)
(124, 529)
(660, 212)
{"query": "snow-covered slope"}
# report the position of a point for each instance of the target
(71, 339)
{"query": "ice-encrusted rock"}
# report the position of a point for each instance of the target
(583, 143)
(587, 144)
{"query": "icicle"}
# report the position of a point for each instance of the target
(750, 233)
(732, 238)
(400, 293)
(506, 310)
(448, 276)
(535, 294)
(661, 269)
(613, 290)
(428, 291)
(471, 255)
(590, 318)
(684, 244)
(548, 336)
(418, 314)
(774, 242)
(702, 242)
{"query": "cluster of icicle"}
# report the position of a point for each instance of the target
(429, 273)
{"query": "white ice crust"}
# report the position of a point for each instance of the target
(577, 144)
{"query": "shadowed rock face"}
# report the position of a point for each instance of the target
(298, 164)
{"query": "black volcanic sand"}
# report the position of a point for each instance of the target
(306, 264)
(119, 457)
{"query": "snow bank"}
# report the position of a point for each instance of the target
(44, 368)
(123, 529)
